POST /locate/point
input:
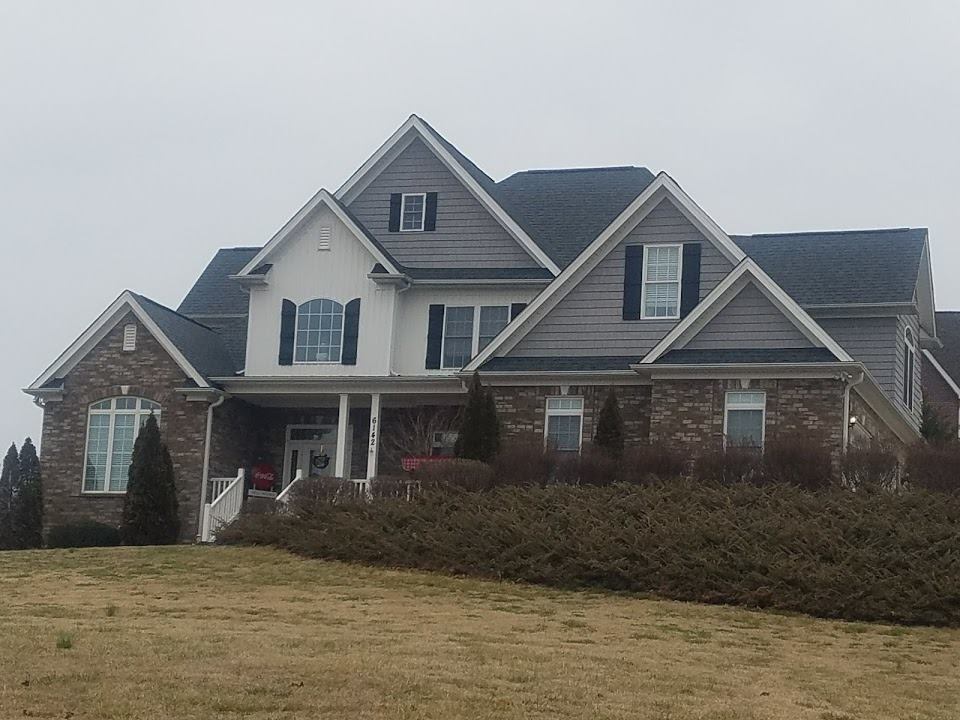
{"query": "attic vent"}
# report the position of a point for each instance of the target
(323, 243)
(129, 338)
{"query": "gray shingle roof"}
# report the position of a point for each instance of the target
(214, 293)
(745, 355)
(479, 273)
(558, 364)
(841, 267)
(948, 330)
(203, 348)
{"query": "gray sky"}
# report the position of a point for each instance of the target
(136, 138)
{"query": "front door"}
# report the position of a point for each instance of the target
(311, 449)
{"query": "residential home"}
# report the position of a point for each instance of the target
(940, 364)
(343, 345)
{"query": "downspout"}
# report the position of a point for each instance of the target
(206, 460)
(848, 383)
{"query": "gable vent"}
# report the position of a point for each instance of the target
(323, 243)
(129, 338)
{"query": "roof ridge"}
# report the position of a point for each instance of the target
(596, 168)
(173, 312)
(851, 231)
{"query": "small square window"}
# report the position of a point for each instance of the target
(412, 212)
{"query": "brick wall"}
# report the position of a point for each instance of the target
(869, 427)
(938, 394)
(149, 372)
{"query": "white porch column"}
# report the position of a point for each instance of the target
(342, 465)
(373, 445)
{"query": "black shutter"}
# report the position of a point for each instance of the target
(434, 337)
(351, 331)
(288, 331)
(516, 309)
(632, 281)
(690, 281)
(430, 219)
(395, 200)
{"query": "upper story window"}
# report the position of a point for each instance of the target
(112, 428)
(745, 418)
(563, 429)
(413, 211)
(319, 332)
(909, 367)
(464, 335)
(661, 281)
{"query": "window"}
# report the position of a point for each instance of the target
(112, 427)
(319, 331)
(743, 424)
(444, 443)
(661, 281)
(909, 366)
(413, 209)
(463, 337)
(564, 423)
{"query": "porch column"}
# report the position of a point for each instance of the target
(373, 446)
(342, 466)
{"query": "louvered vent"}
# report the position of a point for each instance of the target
(129, 338)
(324, 242)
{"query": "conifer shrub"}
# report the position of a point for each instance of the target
(479, 436)
(150, 513)
(83, 533)
(609, 437)
(9, 481)
(28, 500)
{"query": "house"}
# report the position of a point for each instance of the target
(374, 304)
(939, 365)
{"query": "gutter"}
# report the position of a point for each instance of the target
(848, 384)
(206, 459)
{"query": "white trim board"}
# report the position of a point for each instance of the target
(745, 273)
(663, 187)
(323, 197)
(415, 127)
(108, 319)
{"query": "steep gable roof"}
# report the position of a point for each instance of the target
(948, 356)
(214, 293)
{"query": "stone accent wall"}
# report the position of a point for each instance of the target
(522, 410)
(691, 412)
(938, 394)
(149, 372)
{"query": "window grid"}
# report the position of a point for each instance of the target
(457, 336)
(493, 319)
(662, 267)
(413, 209)
(744, 422)
(563, 429)
(112, 427)
(319, 332)
(909, 367)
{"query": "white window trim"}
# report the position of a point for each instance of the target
(296, 329)
(562, 412)
(475, 339)
(112, 412)
(748, 406)
(643, 281)
(910, 356)
(423, 211)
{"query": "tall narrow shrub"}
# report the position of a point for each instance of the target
(491, 427)
(28, 500)
(150, 507)
(479, 437)
(609, 435)
(9, 480)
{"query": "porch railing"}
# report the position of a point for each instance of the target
(224, 507)
(218, 485)
(284, 497)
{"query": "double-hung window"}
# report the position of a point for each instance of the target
(564, 423)
(112, 428)
(413, 209)
(467, 329)
(909, 366)
(661, 281)
(744, 418)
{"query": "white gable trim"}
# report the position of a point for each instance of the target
(321, 198)
(943, 373)
(662, 187)
(107, 320)
(396, 143)
(743, 274)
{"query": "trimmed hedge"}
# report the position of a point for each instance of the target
(85, 533)
(832, 553)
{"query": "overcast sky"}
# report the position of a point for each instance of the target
(137, 138)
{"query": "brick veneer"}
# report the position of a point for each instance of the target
(149, 372)
(870, 427)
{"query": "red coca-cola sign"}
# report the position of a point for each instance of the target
(264, 477)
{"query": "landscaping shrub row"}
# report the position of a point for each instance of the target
(833, 553)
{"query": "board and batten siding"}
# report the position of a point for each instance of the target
(749, 320)
(467, 235)
(589, 320)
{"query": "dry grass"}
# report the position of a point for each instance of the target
(193, 632)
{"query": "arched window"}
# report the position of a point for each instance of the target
(909, 366)
(112, 427)
(319, 331)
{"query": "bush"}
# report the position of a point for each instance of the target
(150, 515)
(596, 466)
(727, 465)
(656, 461)
(85, 533)
(801, 460)
(454, 474)
(830, 553)
(523, 463)
(934, 466)
(870, 467)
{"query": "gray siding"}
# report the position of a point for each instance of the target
(589, 320)
(750, 320)
(872, 341)
(903, 322)
(466, 235)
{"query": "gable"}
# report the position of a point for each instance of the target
(749, 320)
(466, 235)
(589, 318)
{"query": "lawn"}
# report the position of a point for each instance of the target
(209, 632)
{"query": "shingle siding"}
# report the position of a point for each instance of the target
(750, 320)
(590, 318)
(467, 235)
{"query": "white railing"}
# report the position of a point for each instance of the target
(224, 508)
(361, 488)
(218, 485)
(284, 497)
